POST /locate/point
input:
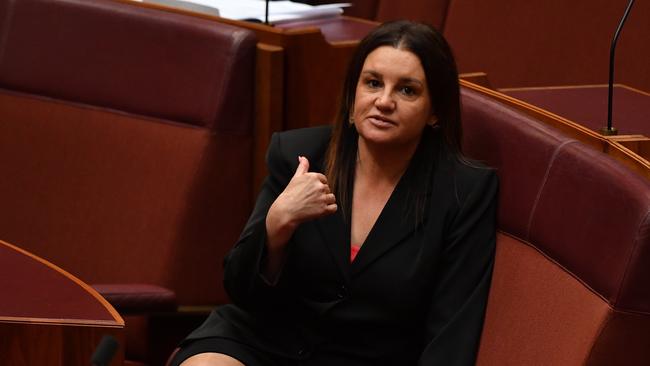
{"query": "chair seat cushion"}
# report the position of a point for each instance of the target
(134, 298)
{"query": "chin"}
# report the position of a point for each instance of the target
(387, 139)
(382, 140)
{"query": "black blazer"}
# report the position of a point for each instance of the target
(411, 296)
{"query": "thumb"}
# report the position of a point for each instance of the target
(303, 166)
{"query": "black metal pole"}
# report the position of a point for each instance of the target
(612, 51)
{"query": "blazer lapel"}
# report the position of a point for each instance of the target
(336, 237)
(392, 225)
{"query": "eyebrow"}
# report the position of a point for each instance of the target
(403, 80)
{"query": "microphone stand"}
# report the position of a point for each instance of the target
(609, 130)
(266, 13)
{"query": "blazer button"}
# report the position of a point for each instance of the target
(342, 293)
(302, 352)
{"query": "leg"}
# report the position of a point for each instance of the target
(211, 359)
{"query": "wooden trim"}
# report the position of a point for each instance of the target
(561, 87)
(611, 145)
(478, 78)
(118, 319)
(54, 321)
(556, 87)
(633, 89)
(629, 158)
(269, 106)
(571, 128)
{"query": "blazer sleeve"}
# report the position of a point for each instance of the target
(457, 307)
(242, 276)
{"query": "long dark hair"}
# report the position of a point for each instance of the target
(442, 81)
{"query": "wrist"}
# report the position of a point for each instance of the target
(279, 228)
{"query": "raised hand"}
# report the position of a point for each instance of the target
(306, 197)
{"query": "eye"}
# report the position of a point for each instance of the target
(407, 90)
(373, 83)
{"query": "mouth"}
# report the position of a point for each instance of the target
(381, 121)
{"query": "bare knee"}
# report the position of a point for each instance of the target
(211, 359)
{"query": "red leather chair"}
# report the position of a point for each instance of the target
(126, 152)
(549, 42)
(570, 284)
(432, 12)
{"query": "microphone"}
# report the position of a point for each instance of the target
(609, 130)
(105, 351)
(266, 13)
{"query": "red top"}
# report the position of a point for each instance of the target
(354, 249)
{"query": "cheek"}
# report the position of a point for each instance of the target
(358, 107)
(422, 112)
(362, 103)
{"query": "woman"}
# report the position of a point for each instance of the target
(372, 242)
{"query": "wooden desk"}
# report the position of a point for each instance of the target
(48, 316)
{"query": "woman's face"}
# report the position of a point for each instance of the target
(392, 104)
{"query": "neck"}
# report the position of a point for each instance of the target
(383, 164)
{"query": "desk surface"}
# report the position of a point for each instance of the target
(335, 29)
(48, 316)
(587, 105)
(41, 291)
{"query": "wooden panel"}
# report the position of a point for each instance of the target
(268, 105)
(25, 343)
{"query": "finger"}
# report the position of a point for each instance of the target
(321, 177)
(303, 166)
(330, 209)
(330, 199)
(322, 188)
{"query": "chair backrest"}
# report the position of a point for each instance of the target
(125, 141)
(570, 284)
(432, 12)
(129, 58)
(427, 11)
(549, 42)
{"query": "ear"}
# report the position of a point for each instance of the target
(432, 121)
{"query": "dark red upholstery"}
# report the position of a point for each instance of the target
(516, 136)
(125, 180)
(128, 58)
(138, 298)
(599, 231)
(366, 9)
(432, 12)
(587, 105)
(549, 42)
(573, 258)
(126, 148)
(532, 43)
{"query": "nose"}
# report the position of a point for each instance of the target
(385, 102)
